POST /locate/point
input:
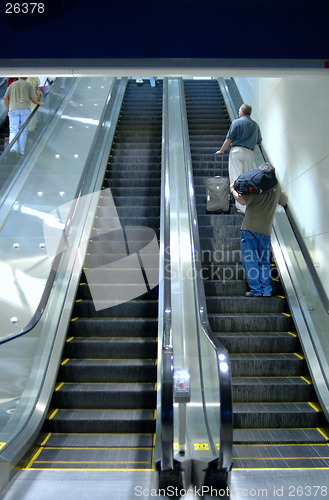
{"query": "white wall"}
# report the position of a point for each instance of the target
(293, 114)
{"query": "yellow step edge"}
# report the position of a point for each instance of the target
(315, 406)
(98, 448)
(279, 458)
(69, 340)
(106, 383)
(57, 388)
(35, 456)
(102, 409)
(65, 361)
(84, 462)
(300, 356)
(71, 469)
(323, 433)
(46, 439)
(100, 433)
(74, 319)
(53, 414)
(282, 468)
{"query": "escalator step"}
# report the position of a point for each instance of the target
(106, 396)
(134, 308)
(252, 323)
(118, 348)
(263, 436)
(274, 415)
(116, 327)
(267, 389)
(246, 305)
(89, 458)
(276, 456)
(262, 365)
(101, 289)
(100, 440)
(87, 421)
(231, 287)
(258, 342)
(110, 370)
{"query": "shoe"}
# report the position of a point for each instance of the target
(249, 294)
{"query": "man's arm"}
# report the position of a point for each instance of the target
(35, 100)
(225, 145)
(237, 196)
(6, 100)
(283, 200)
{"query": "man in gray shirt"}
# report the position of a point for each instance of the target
(243, 135)
(18, 98)
(256, 235)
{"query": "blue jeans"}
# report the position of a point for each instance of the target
(256, 253)
(16, 119)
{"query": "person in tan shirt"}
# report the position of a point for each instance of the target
(255, 238)
(18, 98)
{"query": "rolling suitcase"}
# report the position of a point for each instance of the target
(218, 191)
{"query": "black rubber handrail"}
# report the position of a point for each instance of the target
(167, 372)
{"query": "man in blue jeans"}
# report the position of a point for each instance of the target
(256, 235)
(18, 98)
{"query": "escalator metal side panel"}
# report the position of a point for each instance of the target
(301, 313)
(54, 322)
(3, 112)
(163, 450)
(185, 316)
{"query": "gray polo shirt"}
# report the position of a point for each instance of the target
(244, 132)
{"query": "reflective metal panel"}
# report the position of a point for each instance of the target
(51, 182)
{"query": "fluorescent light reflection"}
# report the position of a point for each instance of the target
(48, 218)
(88, 121)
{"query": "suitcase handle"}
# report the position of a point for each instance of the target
(215, 156)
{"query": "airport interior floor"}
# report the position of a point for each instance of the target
(84, 485)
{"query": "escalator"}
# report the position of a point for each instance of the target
(4, 135)
(102, 413)
(277, 419)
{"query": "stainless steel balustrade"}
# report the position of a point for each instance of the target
(60, 187)
(202, 426)
(163, 454)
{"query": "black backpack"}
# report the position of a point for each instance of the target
(256, 182)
